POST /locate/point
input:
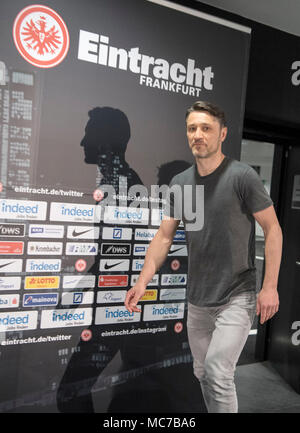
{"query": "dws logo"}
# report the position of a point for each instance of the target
(115, 249)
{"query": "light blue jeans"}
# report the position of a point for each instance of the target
(217, 336)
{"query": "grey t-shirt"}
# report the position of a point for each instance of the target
(221, 256)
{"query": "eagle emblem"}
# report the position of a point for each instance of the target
(38, 38)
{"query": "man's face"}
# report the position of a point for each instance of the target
(205, 134)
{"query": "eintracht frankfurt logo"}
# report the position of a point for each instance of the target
(41, 36)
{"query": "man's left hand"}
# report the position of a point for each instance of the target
(267, 304)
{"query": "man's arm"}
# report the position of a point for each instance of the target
(268, 300)
(155, 257)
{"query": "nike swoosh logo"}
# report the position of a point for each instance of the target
(75, 234)
(106, 266)
(175, 251)
(5, 264)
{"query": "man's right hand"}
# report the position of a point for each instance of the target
(133, 296)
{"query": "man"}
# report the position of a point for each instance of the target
(221, 290)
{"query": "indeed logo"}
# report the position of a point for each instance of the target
(128, 215)
(14, 320)
(18, 208)
(109, 314)
(67, 317)
(75, 211)
(164, 310)
(43, 266)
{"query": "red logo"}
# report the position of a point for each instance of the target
(11, 247)
(98, 195)
(178, 327)
(113, 281)
(80, 265)
(175, 265)
(86, 335)
(41, 36)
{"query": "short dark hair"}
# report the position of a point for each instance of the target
(210, 108)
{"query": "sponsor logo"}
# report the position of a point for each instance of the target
(18, 321)
(7, 265)
(11, 247)
(9, 301)
(77, 232)
(10, 283)
(115, 249)
(179, 235)
(144, 235)
(114, 265)
(163, 311)
(113, 281)
(84, 249)
(74, 298)
(140, 249)
(75, 212)
(116, 233)
(109, 297)
(175, 265)
(41, 265)
(12, 230)
(40, 300)
(41, 36)
(47, 282)
(105, 315)
(178, 327)
(86, 335)
(98, 195)
(44, 248)
(66, 318)
(79, 282)
(173, 294)
(173, 280)
(176, 250)
(137, 265)
(80, 265)
(23, 209)
(150, 295)
(46, 231)
(124, 215)
(153, 282)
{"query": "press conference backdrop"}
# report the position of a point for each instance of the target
(93, 95)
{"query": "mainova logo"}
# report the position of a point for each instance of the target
(41, 36)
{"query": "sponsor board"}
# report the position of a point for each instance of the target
(124, 215)
(107, 315)
(81, 213)
(114, 265)
(111, 296)
(81, 249)
(117, 233)
(76, 298)
(46, 231)
(113, 281)
(150, 295)
(43, 265)
(66, 318)
(172, 294)
(144, 234)
(10, 283)
(173, 279)
(12, 247)
(11, 265)
(115, 249)
(12, 230)
(9, 301)
(41, 282)
(178, 250)
(163, 311)
(83, 232)
(179, 236)
(78, 281)
(153, 282)
(40, 299)
(44, 248)
(18, 321)
(137, 265)
(23, 209)
(140, 249)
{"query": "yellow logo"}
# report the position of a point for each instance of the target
(150, 295)
(47, 282)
